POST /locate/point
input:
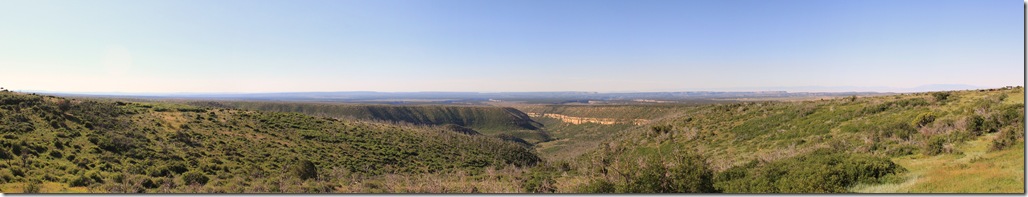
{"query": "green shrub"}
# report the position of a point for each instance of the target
(33, 186)
(539, 182)
(874, 109)
(597, 186)
(6, 176)
(194, 177)
(79, 181)
(158, 170)
(923, 119)
(117, 177)
(897, 151)
(56, 154)
(58, 144)
(941, 96)
(689, 174)
(1009, 136)
(819, 172)
(662, 129)
(681, 174)
(17, 171)
(976, 125)
(149, 183)
(93, 176)
(177, 167)
(305, 169)
(934, 146)
(6, 154)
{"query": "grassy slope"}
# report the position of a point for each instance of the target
(735, 134)
(977, 170)
(487, 120)
(727, 135)
(66, 145)
(572, 140)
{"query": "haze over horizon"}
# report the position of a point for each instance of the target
(508, 46)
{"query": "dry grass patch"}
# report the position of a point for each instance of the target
(976, 171)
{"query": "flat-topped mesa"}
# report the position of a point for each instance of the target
(583, 120)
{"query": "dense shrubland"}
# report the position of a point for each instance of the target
(821, 171)
(52, 144)
(809, 146)
(485, 119)
(55, 144)
(572, 140)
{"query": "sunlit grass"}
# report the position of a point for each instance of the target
(975, 171)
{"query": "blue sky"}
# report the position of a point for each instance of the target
(506, 45)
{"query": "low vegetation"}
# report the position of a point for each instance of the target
(817, 146)
(486, 120)
(53, 144)
(958, 141)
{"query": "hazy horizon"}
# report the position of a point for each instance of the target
(507, 46)
(798, 89)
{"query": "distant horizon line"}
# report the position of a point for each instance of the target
(794, 89)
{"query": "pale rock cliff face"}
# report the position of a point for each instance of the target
(583, 120)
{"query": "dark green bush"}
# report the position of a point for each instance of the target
(539, 182)
(94, 176)
(149, 183)
(158, 170)
(923, 119)
(896, 151)
(6, 176)
(822, 171)
(305, 169)
(33, 186)
(80, 181)
(684, 173)
(662, 129)
(976, 125)
(1009, 136)
(194, 177)
(597, 186)
(117, 177)
(934, 145)
(6, 154)
(941, 96)
(873, 109)
(177, 167)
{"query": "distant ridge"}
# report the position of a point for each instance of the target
(839, 89)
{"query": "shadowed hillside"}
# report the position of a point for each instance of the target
(494, 121)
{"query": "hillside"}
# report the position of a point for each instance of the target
(53, 144)
(819, 146)
(577, 129)
(492, 121)
(959, 141)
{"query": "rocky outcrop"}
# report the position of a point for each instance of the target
(583, 120)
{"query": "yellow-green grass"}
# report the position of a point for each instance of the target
(998, 172)
(45, 187)
(976, 170)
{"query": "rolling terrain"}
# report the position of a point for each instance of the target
(921, 142)
(577, 129)
(53, 144)
(494, 121)
(956, 141)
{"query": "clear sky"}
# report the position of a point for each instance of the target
(506, 45)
